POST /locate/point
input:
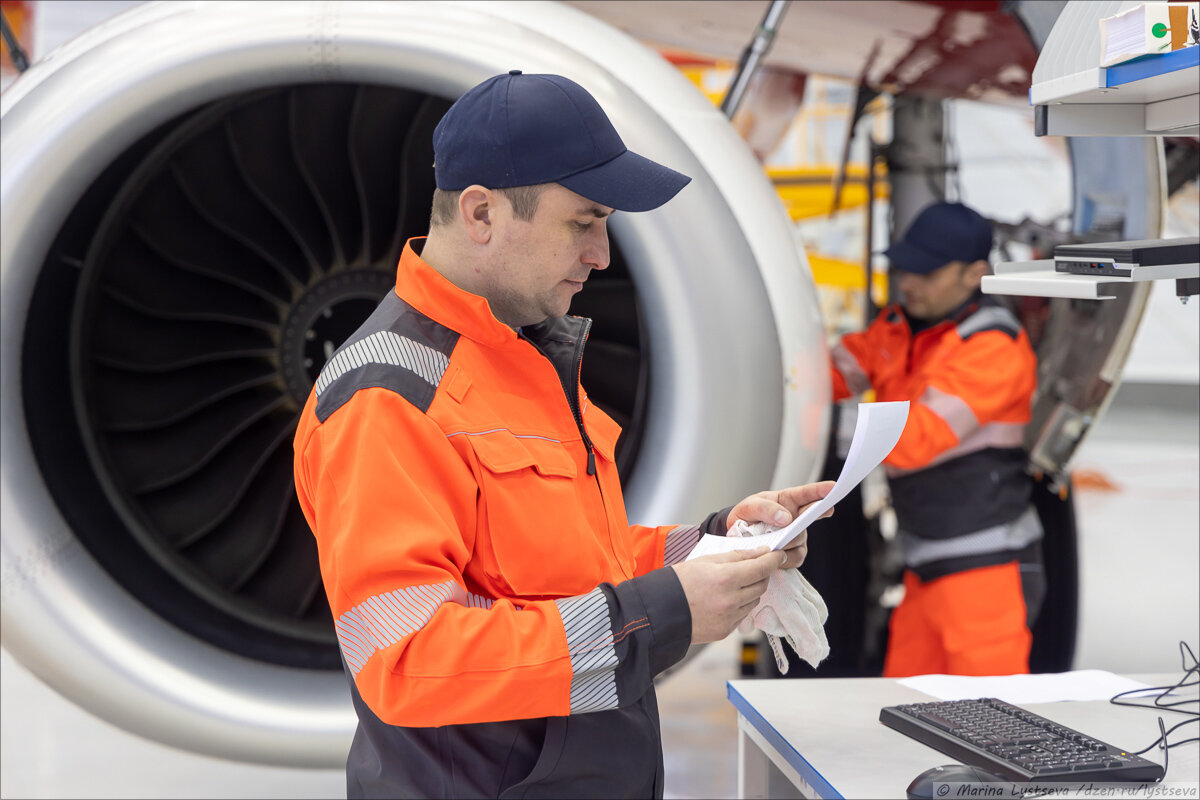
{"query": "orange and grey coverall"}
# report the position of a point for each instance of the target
(958, 483)
(499, 618)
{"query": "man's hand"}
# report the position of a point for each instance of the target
(780, 508)
(723, 588)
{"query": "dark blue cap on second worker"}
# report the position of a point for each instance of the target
(521, 130)
(941, 233)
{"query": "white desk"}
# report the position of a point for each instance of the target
(821, 737)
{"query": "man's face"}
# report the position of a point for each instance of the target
(540, 264)
(934, 295)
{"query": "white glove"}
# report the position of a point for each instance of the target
(790, 607)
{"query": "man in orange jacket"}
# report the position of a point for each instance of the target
(971, 540)
(500, 620)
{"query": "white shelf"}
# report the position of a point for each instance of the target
(1155, 96)
(1039, 279)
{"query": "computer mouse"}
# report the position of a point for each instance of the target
(925, 785)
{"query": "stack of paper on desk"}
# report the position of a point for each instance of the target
(1085, 684)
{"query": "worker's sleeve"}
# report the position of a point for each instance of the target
(851, 365)
(985, 382)
(670, 544)
(395, 506)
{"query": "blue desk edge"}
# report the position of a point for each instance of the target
(793, 758)
(1150, 66)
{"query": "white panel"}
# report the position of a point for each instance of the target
(1172, 116)
(1047, 284)
(1095, 120)
(1074, 43)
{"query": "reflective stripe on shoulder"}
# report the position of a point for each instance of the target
(397, 348)
(380, 621)
(385, 347)
(593, 651)
(989, 318)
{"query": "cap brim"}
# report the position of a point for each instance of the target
(906, 257)
(628, 182)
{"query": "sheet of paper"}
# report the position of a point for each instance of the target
(1081, 684)
(710, 544)
(875, 434)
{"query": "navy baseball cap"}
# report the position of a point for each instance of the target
(941, 233)
(520, 130)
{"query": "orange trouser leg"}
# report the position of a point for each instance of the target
(914, 645)
(968, 623)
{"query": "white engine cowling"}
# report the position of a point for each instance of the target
(98, 600)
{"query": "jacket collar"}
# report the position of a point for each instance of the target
(431, 293)
(956, 316)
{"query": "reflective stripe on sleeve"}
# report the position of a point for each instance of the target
(593, 652)
(971, 435)
(1001, 435)
(952, 408)
(856, 377)
(680, 542)
(380, 621)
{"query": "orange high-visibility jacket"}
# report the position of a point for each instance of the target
(477, 558)
(959, 466)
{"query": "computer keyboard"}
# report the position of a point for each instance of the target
(1015, 744)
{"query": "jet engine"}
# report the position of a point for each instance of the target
(200, 201)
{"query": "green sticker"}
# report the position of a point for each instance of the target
(1159, 30)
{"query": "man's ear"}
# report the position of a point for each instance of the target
(476, 205)
(975, 271)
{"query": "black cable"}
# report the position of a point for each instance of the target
(1168, 732)
(15, 51)
(1191, 669)
(1162, 737)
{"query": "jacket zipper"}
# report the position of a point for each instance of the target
(572, 392)
(573, 396)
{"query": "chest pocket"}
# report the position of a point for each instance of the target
(543, 532)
